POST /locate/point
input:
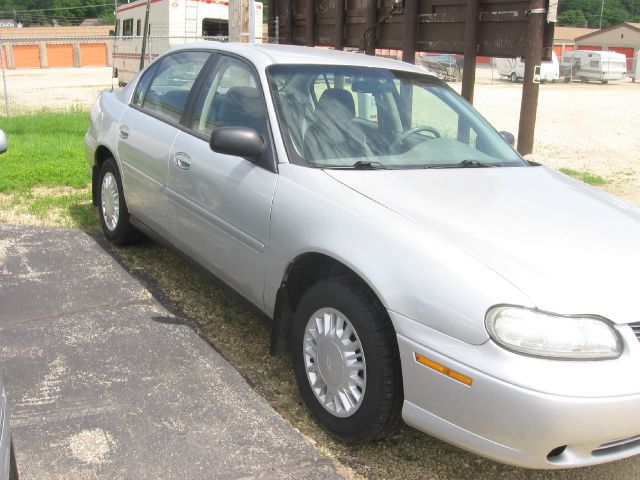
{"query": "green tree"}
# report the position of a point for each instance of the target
(572, 18)
(47, 12)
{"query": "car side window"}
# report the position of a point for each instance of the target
(231, 98)
(170, 86)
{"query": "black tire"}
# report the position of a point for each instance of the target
(122, 233)
(380, 407)
(13, 466)
(604, 82)
(584, 79)
(514, 77)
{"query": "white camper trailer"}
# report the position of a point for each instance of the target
(635, 68)
(171, 23)
(513, 68)
(601, 66)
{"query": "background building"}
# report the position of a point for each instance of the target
(622, 38)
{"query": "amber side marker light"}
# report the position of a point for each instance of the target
(421, 359)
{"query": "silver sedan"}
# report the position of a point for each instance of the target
(413, 264)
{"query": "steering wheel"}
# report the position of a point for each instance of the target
(420, 128)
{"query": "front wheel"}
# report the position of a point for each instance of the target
(346, 360)
(513, 77)
(114, 215)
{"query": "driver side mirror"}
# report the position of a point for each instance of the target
(3, 142)
(508, 136)
(237, 141)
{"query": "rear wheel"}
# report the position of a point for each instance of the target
(346, 360)
(513, 77)
(584, 79)
(112, 207)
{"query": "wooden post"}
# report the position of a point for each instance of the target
(288, 39)
(145, 34)
(271, 19)
(338, 43)
(311, 23)
(239, 22)
(530, 90)
(410, 31)
(470, 50)
(370, 27)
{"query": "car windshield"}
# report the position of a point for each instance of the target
(373, 118)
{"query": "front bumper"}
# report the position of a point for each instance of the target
(512, 413)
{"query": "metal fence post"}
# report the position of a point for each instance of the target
(3, 60)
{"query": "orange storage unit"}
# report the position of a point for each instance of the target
(26, 56)
(59, 55)
(93, 54)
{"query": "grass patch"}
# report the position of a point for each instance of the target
(45, 149)
(43, 176)
(586, 177)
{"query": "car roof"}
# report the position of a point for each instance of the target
(265, 54)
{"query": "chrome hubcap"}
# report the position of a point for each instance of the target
(110, 201)
(334, 362)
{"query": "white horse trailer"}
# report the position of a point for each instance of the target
(635, 67)
(513, 68)
(599, 65)
(171, 23)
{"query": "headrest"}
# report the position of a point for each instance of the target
(338, 102)
(246, 100)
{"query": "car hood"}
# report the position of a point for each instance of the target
(570, 248)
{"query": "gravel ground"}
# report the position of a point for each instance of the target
(590, 127)
(53, 88)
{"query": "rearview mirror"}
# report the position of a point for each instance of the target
(508, 136)
(3, 142)
(238, 141)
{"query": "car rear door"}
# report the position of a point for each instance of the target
(220, 205)
(148, 129)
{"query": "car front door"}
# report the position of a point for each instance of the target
(148, 129)
(220, 205)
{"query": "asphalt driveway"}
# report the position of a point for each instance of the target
(103, 382)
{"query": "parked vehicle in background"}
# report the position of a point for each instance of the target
(513, 68)
(600, 66)
(635, 67)
(171, 23)
(446, 66)
(412, 263)
(8, 468)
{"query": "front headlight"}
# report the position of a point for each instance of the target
(547, 335)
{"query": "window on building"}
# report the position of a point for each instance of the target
(138, 27)
(215, 27)
(127, 27)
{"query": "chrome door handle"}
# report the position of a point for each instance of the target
(124, 132)
(182, 160)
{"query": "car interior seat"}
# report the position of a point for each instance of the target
(333, 133)
(243, 107)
